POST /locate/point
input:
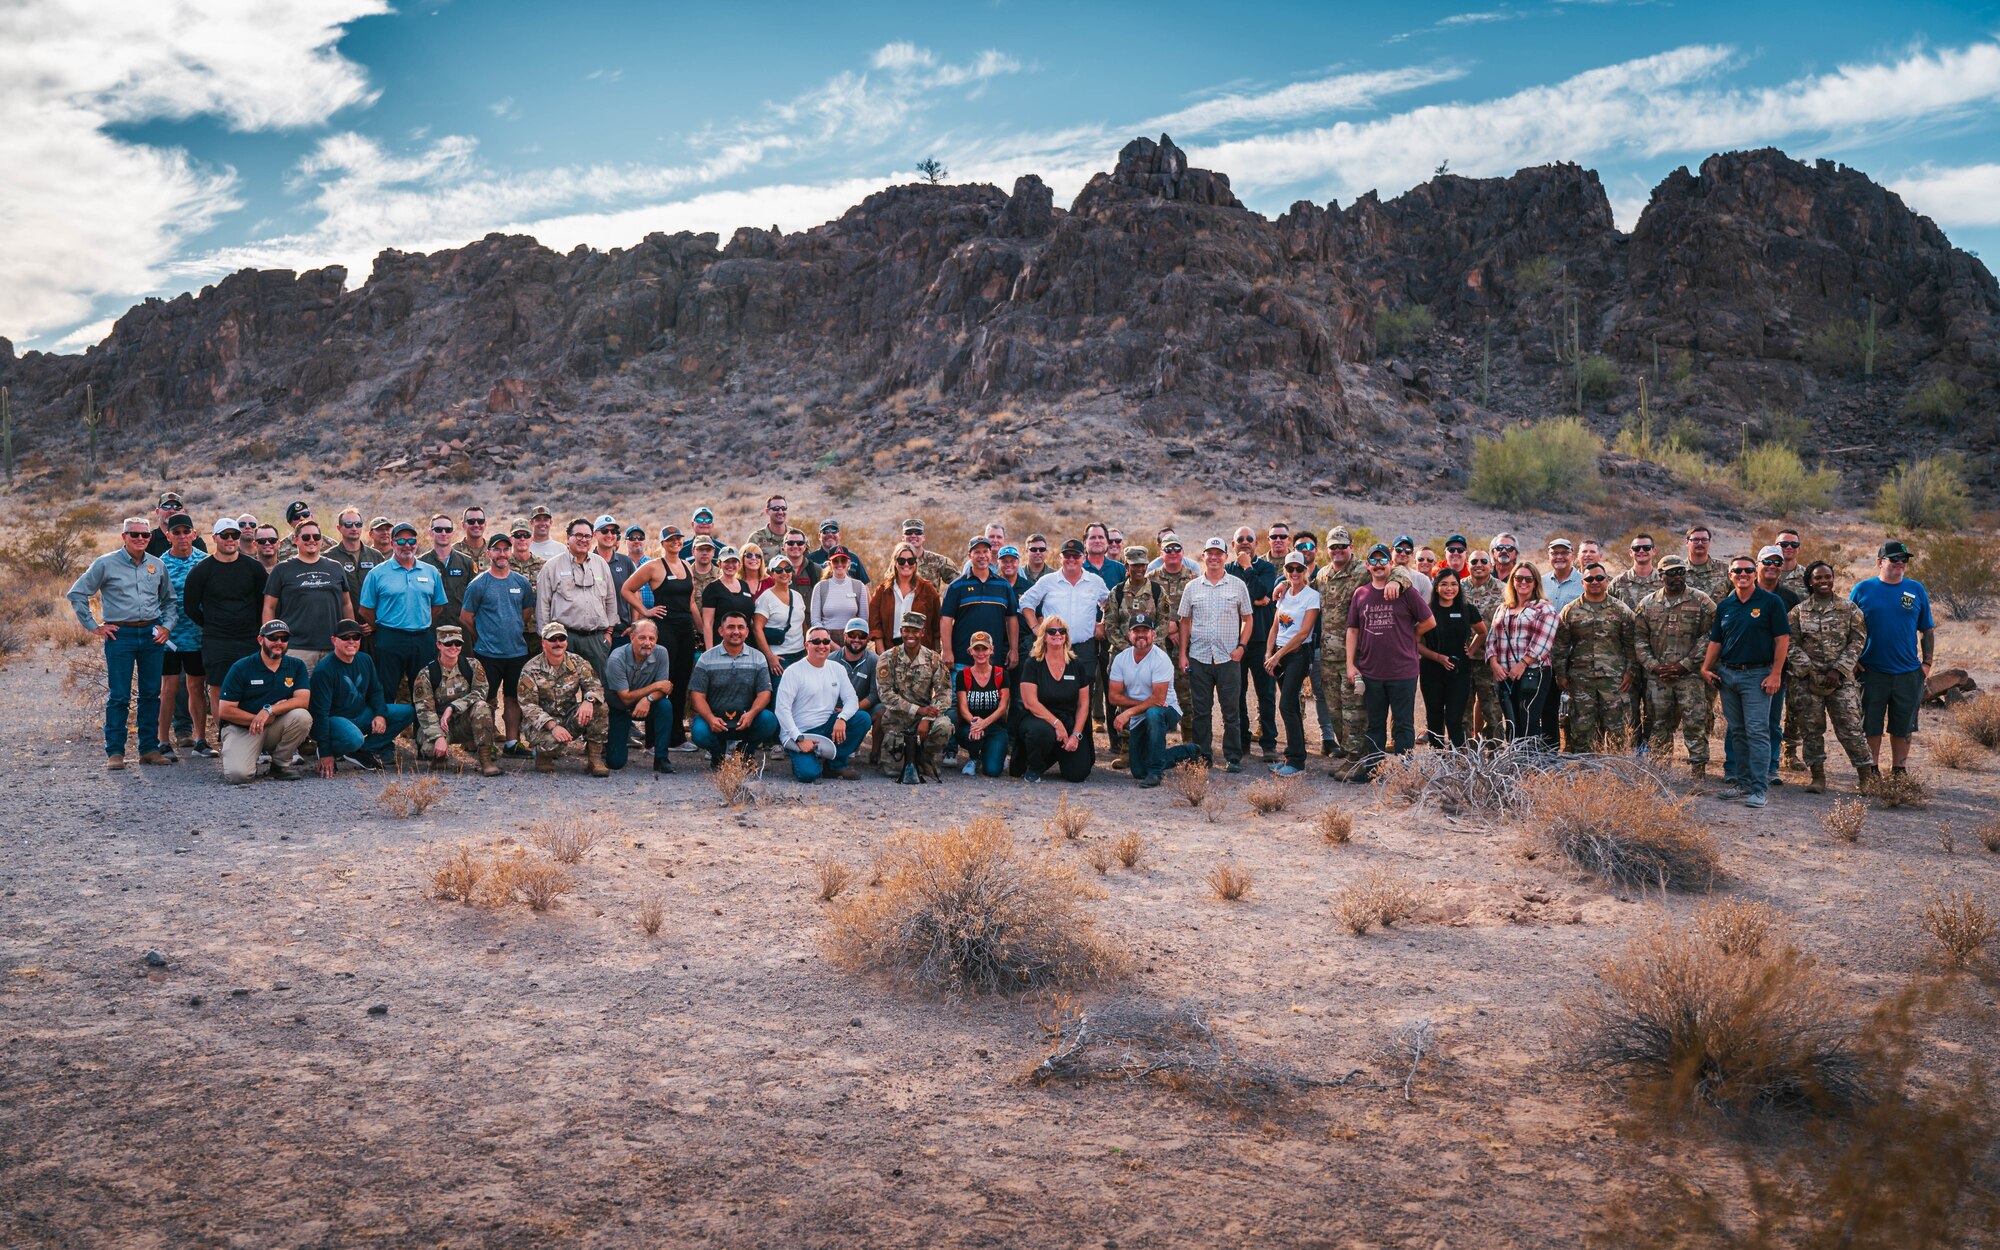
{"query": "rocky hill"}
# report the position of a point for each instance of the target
(1155, 302)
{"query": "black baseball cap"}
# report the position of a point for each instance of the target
(1073, 547)
(1894, 547)
(180, 521)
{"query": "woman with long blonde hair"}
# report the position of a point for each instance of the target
(904, 591)
(1055, 700)
(1518, 645)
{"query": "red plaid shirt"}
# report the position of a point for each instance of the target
(1525, 633)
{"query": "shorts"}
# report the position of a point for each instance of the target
(1893, 697)
(175, 663)
(504, 673)
(218, 655)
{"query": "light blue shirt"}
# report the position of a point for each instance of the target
(402, 598)
(1565, 592)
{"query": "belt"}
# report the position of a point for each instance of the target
(135, 624)
(1743, 667)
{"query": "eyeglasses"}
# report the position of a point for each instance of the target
(1595, 578)
(1793, 546)
(1698, 542)
(348, 525)
(1642, 546)
(400, 542)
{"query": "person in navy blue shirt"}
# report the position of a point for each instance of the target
(352, 720)
(1746, 661)
(981, 602)
(1896, 661)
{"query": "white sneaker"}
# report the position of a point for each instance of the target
(971, 767)
(263, 758)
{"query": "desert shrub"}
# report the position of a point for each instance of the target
(1068, 821)
(1737, 926)
(1100, 857)
(1626, 830)
(566, 839)
(1230, 881)
(1130, 848)
(1978, 719)
(1273, 794)
(539, 883)
(966, 909)
(651, 913)
(1961, 923)
(58, 546)
(1955, 751)
(1835, 347)
(1382, 896)
(1900, 790)
(1937, 403)
(1174, 1047)
(834, 877)
(1844, 821)
(1536, 275)
(1601, 379)
(1336, 827)
(1687, 1024)
(1988, 834)
(1928, 493)
(1400, 328)
(457, 876)
(1551, 465)
(414, 797)
(503, 873)
(1959, 572)
(732, 778)
(1947, 835)
(1781, 484)
(1192, 782)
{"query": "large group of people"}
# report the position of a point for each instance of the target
(517, 643)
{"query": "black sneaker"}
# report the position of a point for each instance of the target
(280, 772)
(363, 760)
(204, 750)
(661, 764)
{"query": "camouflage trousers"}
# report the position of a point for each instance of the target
(1483, 718)
(1684, 701)
(474, 729)
(1596, 714)
(1343, 702)
(894, 725)
(593, 734)
(1842, 707)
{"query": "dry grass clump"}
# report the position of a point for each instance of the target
(1336, 827)
(1947, 835)
(1192, 782)
(1900, 790)
(1844, 820)
(539, 883)
(501, 878)
(503, 873)
(1977, 719)
(1402, 779)
(1626, 830)
(651, 913)
(1687, 1024)
(1956, 752)
(567, 839)
(834, 877)
(1175, 1047)
(1961, 922)
(1100, 857)
(1069, 819)
(1131, 847)
(457, 877)
(1737, 926)
(1989, 835)
(1230, 881)
(414, 797)
(732, 778)
(1273, 794)
(967, 909)
(1383, 896)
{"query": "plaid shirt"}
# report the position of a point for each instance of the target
(1526, 633)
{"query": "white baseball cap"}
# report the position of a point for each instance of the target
(225, 523)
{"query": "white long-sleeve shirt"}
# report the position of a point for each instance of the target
(807, 697)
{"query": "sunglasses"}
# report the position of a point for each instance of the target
(231, 535)
(442, 644)
(277, 637)
(1042, 551)
(441, 529)
(170, 507)
(146, 534)
(1743, 572)
(905, 560)
(1175, 547)
(555, 642)
(609, 529)
(400, 542)
(1058, 633)
(1594, 578)
(1526, 579)
(1773, 562)
(348, 525)
(1280, 537)
(1509, 550)
(795, 542)
(273, 540)
(1793, 546)
(1454, 551)
(1899, 559)
(1340, 546)
(777, 507)
(475, 520)
(1246, 542)
(823, 642)
(1642, 546)
(1378, 559)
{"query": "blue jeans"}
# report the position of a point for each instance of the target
(808, 766)
(990, 750)
(1146, 741)
(1747, 747)
(133, 649)
(1777, 718)
(618, 733)
(348, 736)
(761, 732)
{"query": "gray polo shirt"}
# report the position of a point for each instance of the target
(730, 681)
(622, 672)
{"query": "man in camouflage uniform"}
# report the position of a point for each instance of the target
(1670, 638)
(1172, 577)
(913, 684)
(473, 547)
(524, 561)
(1792, 577)
(770, 536)
(1483, 718)
(1592, 661)
(454, 704)
(1828, 634)
(1631, 588)
(1138, 593)
(1342, 576)
(1710, 577)
(562, 701)
(931, 566)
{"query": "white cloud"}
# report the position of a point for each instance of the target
(1964, 195)
(1300, 99)
(505, 109)
(604, 75)
(1477, 19)
(104, 214)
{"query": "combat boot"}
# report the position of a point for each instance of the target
(1865, 776)
(544, 762)
(1698, 774)
(592, 761)
(1791, 760)
(1818, 783)
(489, 762)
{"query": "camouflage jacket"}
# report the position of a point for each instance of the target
(550, 693)
(1795, 577)
(1489, 599)
(1336, 593)
(1631, 587)
(480, 560)
(1171, 585)
(1711, 579)
(904, 684)
(1130, 597)
(1594, 640)
(936, 570)
(768, 541)
(1826, 633)
(452, 692)
(1673, 631)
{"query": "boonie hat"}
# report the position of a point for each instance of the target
(520, 526)
(272, 628)
(913, 526)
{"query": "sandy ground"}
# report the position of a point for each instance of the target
(564, 1079)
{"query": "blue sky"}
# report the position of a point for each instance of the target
(154, 148)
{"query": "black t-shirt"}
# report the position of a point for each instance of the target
(309, 600)
(1786, 593)
(226, 598)
(1058, 695)
(725, 601)
(1454, 628)
(982, 700)
(622, 568)
(1262, 579)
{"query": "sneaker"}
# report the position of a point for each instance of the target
(1034, 778)
(1755, 800)
(1234, 766)
(661, 764)
(971, 767)
(518, 750)
(1286, 770)
(204, 750)
(183, 739)
(1149, 781)
(363, 760)
(637, 737)
(1776, 780)
(296, 761)
(687, 745)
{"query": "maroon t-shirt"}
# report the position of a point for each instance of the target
(1386, 649)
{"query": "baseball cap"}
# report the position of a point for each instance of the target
(555, 629)
(979, 636)
(1894, 547)
(541, 510)
(1404, 540)
(978, 540)
(225, 525)
(855, 625)
(703, 540)
(1772, 551)
(520, 526)
(1458, 539)
(1674, 564)
(1339, 537)
(669, 531)
(913, 526)
(607, 521)
(380, 522)
(1377, 550)
(501, 539)
(402, 527)
(1215, 544)
(1142, 620)
(704, 514)
(1292, 558)
(829, 526)
(839, 553)
(778, 562)
(1010, 550)
(347, 627)
(272, 628)
(296, 509)
(727, 552)
(171, 497)
(180, 521)
(1133, 551)
(1073, 547)
(1560, 541)
(915, 620)
(635, 531)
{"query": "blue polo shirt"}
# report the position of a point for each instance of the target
(973, 606)
(1748, 629)
(402, 598)
(1896, 614)
(1112, 571)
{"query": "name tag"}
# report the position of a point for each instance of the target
(454, 572)
(256, 681)
(514, 590)
(424, 581)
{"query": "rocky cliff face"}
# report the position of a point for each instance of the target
(1155, 296)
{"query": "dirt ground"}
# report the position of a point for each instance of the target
(562, 1078)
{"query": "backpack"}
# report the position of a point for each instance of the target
(436, 671)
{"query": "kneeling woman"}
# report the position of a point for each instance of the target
(1055, 732)
(982, 698)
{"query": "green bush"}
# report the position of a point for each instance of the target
(1601, 379)
(1398, 328)
(1786, 427)
(1835, 347)
(1552, 465)
(1532, 277)
(1958, 570)
(1925, 494)
(1937, 403)
(1779, 481)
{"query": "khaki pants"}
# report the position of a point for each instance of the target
(281, 737)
